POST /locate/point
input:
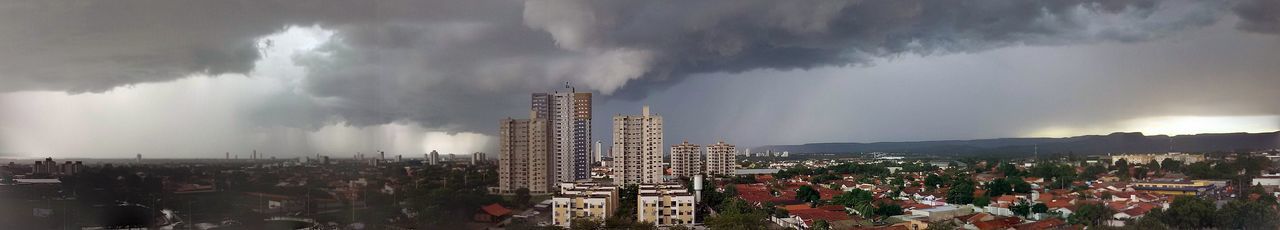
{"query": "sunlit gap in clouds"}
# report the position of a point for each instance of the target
(1172, 125)
(206, 116)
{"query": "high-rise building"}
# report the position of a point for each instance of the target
(721, 159)
(665, 205)
(433, 158)
(524, 157)
(568, 117)
(637, 145)
(598, 155)
(477, 158)
(686, 159)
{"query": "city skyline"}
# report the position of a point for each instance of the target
(343, 78)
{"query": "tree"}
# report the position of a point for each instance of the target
(522, 197)
(933, 181)
(821, 225)
(982, 201)
(999, 187)
(8, 179)
(1020, 185)
(1039, 208)
(1188, 212)
(1009, 170)
(737, 214)
(730, 190)
(1169, 164)
(1240, 214)
(1090, 214)
(961, 192)
(1121, 164)
(584, 224)
(888, 210)
(857, 199)
(1140, 172)
(808, 194)
(1022, 208)
(1092, 172)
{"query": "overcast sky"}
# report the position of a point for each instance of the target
(294, 78)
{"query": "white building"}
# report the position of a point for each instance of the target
(433, 158)
(637, 149)
(583, 200)
(721, 159)
(665, 205)
(686, 160)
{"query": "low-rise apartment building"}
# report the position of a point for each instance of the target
(583, 200)
(665, 204)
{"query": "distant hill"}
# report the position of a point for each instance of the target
(1091, 144)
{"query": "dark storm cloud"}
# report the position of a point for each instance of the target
(1261, 16)
(458, 65)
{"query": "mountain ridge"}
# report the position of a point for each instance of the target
(1119, 142)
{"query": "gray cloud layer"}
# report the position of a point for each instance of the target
(458, 65)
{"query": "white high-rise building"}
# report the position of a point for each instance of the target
(637, 149)
(721, 159)
(598, 156)
(568, 117)
(433, 158)
(686, 159)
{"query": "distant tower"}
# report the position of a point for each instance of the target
(697, 189)
(433, 158)
(228, 155)
(139, 158)
(598, 157)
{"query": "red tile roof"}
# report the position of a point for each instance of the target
(495, 209)
(1043, 224)
(998, 223)
(810, 215)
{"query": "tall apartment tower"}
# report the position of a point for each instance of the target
(568, 117)
(597, 157)
(637, 149)
(433, 158)
(524, 159)
(721, 159)
(686, 159)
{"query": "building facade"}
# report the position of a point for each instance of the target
(598, 154)
(1158, 158)
(569, 127)
(686, 160)
(524, 159)
(583, 200)
(476, 158)
(433, 158)
(665, 205)
(721, 159)
(637, 149)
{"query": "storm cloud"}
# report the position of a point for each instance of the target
(459, 65)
